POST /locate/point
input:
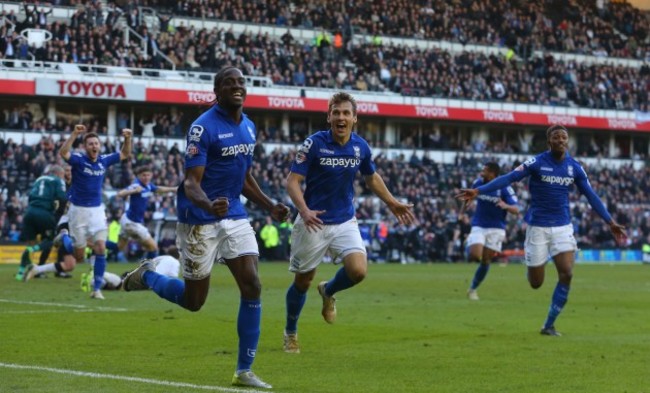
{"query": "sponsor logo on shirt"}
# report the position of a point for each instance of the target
(228, 135)
(546, 168)
(561, 180)
(489, 198)
(194, 135)
(342, 162)
(326, 151)
(242, 148)
(92, 172)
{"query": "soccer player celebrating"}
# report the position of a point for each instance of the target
(328, 161)
(87, 219)
(132, 221)
(488, 224)
(549, 231)
(213, 224)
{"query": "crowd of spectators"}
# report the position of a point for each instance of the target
(90, 38)
(30, 117)
(600, 28)
(440, 230)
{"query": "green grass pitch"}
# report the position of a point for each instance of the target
(405, 329)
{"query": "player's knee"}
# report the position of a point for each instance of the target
(357, 276)
(252, 290)
(565, 277)
(535, 284)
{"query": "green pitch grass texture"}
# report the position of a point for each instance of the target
(405, 329)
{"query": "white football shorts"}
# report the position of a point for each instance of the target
(132, 230)
(167, 265)
(542, 242)
(309, 248)
(491, 238)
(202, 245)
(87, 223)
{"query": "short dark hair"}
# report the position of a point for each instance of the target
(493, 167)
(342, 97)
(142, 169)
(218, 78)
(554, 128)
(90, 135)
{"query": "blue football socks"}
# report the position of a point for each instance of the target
(560, 297)
(168, 288)
(480, 274)
(340, 282)
(98, 271)
(295, 300)
(248, 329)
(152, 254)
(66, 242)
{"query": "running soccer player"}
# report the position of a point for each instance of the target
(488, 224)
(212, 221)
(328, 162)
(87, 219)
(549, 231)
(132, 221)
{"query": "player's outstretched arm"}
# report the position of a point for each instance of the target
(467, 195)
(125, 151)
(401, 210)
(166, 189)
(252, 191)
(66, 149)
(129, 191)
(309, 217)
(618, 231)
(585, 188)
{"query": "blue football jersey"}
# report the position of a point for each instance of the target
(138, 202)
(225, 149)
(88, 178)
(549, 186)
(329, 170)
(488, 214)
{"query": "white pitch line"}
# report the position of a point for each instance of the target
(79, 307)
(131, 379)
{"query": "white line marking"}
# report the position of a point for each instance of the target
(79, 307)
(132, 379)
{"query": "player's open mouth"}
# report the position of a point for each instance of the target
(341, 126)
(238, 95)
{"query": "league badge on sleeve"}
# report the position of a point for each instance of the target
(191, 150)
(300, 157)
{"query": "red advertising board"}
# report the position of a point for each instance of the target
(280, 103)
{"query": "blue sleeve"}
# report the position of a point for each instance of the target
(198, 142)
(508, 196)
(74, 159)
(367, 167)
(304, 156)
(503, 181)
(110, 159)
(585, 188)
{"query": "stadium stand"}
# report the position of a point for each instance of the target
(560, 59)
